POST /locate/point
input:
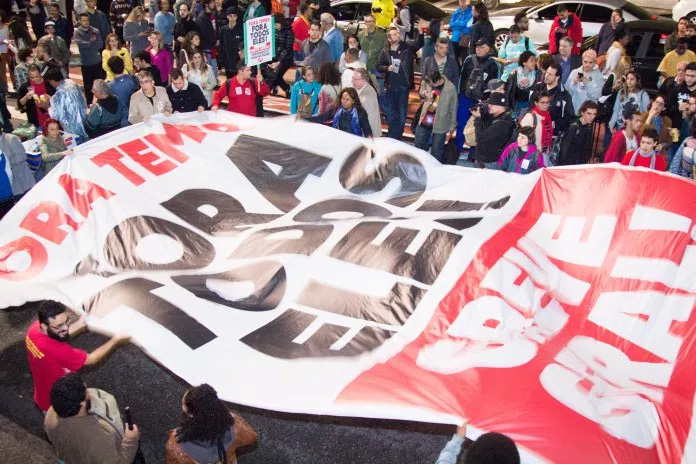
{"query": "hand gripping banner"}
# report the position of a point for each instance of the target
(302, 269)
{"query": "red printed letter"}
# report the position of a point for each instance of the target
(112, 157)
(12, 269)
(82, 193)
(144, 156)
(46, 219)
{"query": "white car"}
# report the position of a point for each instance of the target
(592, 14)
(685, 8)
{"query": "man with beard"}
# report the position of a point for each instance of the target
(50, 357)
(183, 26)
(84, 425)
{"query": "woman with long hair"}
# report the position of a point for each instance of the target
(209, 432)
(330, 81)
(19, 35)
(540, 119)
(482, 28)
(348, 115)
(136, 30)
(160, 56)
(198, 72)
(353, 42)
(609, 91)
(630, 93)
(192, 41)
(114, 48)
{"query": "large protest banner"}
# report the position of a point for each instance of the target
(298, 268)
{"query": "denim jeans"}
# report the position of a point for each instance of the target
(423, 134)
(396, 101)
(425, 137)
(463, 115)
(298, 56)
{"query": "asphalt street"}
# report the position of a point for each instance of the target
(154, 396)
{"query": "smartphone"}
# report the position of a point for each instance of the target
(129, 420)
(581, 75)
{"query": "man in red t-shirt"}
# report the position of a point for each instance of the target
(645, 156)
(241, 91)
(50, 357)
(624, 140)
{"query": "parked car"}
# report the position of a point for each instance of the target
(350, 14)
(646, 48)
(592, 13)
(684, 8)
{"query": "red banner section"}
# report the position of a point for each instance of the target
(572, 330)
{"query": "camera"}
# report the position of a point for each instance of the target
(482, 107)
(581, 75)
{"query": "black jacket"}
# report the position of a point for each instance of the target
(284, 41)
(576, 144)
(514, 93)
(492, 136)
(187, 99)
(482, 30)
(406, 51)
(678, 94)
(561, 109)
(490, 70)
(181, 28)
(228, 55)
(208, 33)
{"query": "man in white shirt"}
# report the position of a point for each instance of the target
(353, 63)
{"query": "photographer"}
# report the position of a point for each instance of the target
(494, 130)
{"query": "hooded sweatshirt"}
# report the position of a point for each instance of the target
(104, 117)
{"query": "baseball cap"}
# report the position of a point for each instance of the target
(480, 42)
(494, 84)
(231, 11)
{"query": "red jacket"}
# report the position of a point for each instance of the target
(241, 97)
(617, 148)
(575, 33)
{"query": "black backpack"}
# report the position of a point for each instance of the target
(475, 85)
(515, 132)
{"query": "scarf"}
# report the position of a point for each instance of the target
(546, 130)
(354, 120)
(652, 155)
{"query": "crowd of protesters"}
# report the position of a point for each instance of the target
(141, 60)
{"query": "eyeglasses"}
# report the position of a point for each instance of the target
(59, 326)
